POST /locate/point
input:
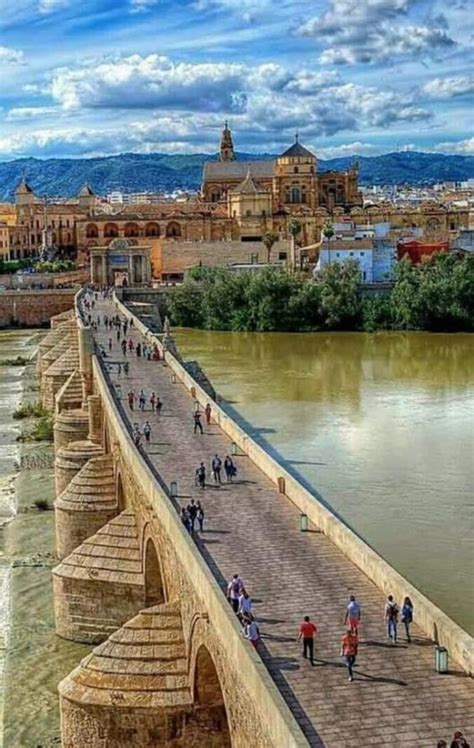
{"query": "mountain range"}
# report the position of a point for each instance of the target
(156, 172)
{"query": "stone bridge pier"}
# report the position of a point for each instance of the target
(169, 667)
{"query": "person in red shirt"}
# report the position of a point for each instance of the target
(308, 632)
(349, 646)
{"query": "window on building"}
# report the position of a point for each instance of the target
(215, 197)
(362, 254)
(248, 213)
(338, 254)
(303, 197)
(287, 197)
(452, 226)
(364, 275)
(351, 254)
(295, 170)
(264, 213)
(295, 195)
(282, 255)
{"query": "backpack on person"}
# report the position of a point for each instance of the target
(392, 612)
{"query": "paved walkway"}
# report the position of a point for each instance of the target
(396, 699)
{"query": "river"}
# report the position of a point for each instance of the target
(380, 426)
(32, 658)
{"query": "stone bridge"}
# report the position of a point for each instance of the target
(170, 665)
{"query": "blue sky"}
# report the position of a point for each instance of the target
(96, 77)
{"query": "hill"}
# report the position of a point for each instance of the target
(134, 172)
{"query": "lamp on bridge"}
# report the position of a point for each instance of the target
(173, 378)
(233, 448)
(441, 659)
(304, 524)
(173, 489)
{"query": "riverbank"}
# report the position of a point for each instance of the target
(35, 658)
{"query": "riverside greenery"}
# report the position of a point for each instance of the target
(437, 295)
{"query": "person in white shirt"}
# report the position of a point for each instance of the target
(252, 633)
(245, 606)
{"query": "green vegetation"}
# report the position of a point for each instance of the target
(30, 410)
(436, 295)
(43, 430)
(18, 361)
(53, 266)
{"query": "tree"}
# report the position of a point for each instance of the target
(328, 230)
(340, 297)
(268, 240)
(294, 227)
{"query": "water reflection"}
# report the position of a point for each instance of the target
(380, 425)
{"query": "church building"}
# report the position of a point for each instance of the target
(291, 181)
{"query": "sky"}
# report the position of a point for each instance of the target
(81, 78)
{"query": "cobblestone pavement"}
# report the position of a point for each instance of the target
(397, 699)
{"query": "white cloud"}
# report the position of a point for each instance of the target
(29, 113)
(374, 31)
(138, 6)
(152, 81)
(50, 6)
(10, 56)
(449, 88)
(460, 147)
(350, 149)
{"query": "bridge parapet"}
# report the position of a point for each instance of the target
(137, 570)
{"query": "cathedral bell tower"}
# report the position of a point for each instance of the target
(226, 152)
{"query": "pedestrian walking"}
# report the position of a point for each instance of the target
(229, 469)
(138, 350)
(158, 406)
(142, 400)
(153, 401)
(117, 335)
(459, 741)
(131, 400)
(216, 469)
(407, 616)
(244, 609)
(185, 519)
(252, 632)
(349, 647)
(201, 476)
(124, 345)
(131, 345)
(192, 511)
(137, 436)
(208, 411)
(110, 344)
(200, 516)
(197, 422)
(307, 632)
(126, 368)
(119, 369)
(147, 431)
(391, 617)
(234, 589)
(353, 614)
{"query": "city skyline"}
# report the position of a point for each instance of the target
(102, 77)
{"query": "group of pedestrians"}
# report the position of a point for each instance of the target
(241, 603)
(192, 513)
(216, 469)
(352, 620)
(458, 741)
(156, 404)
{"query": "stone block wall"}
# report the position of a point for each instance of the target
(33, 308)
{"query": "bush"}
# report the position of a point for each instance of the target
(30, 410)
(43, 430)
(18, 361)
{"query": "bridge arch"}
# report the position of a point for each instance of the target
(208, 697)
(120, 492)
(152, 574)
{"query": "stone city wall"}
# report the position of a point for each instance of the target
(177, 256)
(434, 622)
(33, 308)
